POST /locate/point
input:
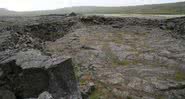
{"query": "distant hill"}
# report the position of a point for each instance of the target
(168, 8)
(4, 11)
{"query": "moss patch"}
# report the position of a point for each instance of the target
(102, 91)
(123, 63)
(95, 95)
(180, 76)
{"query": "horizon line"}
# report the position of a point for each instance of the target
(90, 6)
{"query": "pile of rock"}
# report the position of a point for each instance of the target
(177, 25)
(100, 20)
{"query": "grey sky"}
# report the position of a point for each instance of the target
(29, 5)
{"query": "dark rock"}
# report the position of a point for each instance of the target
(1, 72)
(85, 96)
(55, 15)
(6, 94)
(91, 20)
(72, 14)
(87, 47)
(119, 22)
(46, 31)
(32, 82)
(59, 79)
(20, 41)
(179, 87)
(9, 78)
(117, 26)
(177, 25)
(63, 82)
(170, 25)
(24, 83)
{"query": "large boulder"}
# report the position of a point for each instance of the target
(58, 79)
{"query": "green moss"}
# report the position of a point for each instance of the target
(98, 92)
(95, 95)
(161, 97)
(179, 76)
(125, 62)
(77, 70)
(102, 91)
(118, 38)
(82, 81)
(129, 97)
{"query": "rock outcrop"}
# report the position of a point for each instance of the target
(177, 25)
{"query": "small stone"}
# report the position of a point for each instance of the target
(135, 83)
(119, 93)
(45, 95)
(116, 78)
(91, 84)
(117, 26)
(88, 89)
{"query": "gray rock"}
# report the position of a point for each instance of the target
(177, 25)
(45, 95)
(87, 90)
(30, 59)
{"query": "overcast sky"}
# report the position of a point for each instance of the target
(30, 5)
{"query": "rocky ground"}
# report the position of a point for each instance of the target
(112, 58)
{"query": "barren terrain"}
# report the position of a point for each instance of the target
(122, 57)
